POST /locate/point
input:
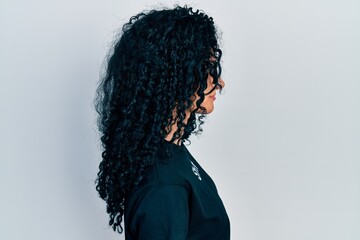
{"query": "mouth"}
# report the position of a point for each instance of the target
(213, 97)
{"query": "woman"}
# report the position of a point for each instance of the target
(161, 80)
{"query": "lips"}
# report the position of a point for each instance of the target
(213, 97)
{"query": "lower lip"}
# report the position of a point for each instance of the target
(213, 98)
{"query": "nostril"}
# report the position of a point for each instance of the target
(222, 83)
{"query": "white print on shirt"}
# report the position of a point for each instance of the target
(195, 170)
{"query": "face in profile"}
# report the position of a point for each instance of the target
(209, 97)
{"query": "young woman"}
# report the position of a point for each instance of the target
(161, 80)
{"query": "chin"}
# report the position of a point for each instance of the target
(207, 111)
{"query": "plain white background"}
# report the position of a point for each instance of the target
(283, 144)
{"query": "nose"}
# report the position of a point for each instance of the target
(221, 82)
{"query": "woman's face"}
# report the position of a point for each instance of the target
(209, 99)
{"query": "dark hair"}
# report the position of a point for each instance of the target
(160, 60)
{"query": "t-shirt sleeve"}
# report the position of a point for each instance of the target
(160, 212)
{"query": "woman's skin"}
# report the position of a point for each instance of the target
(208, 104)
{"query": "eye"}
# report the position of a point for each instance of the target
(217, 54)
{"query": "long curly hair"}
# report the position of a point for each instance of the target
(160, 60)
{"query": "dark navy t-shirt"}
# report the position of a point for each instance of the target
(176, 200)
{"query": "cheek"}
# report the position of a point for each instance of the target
(209, 85)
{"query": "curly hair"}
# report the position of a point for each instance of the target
(160, 60)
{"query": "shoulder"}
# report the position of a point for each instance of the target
(173, 170)
(179, 169)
